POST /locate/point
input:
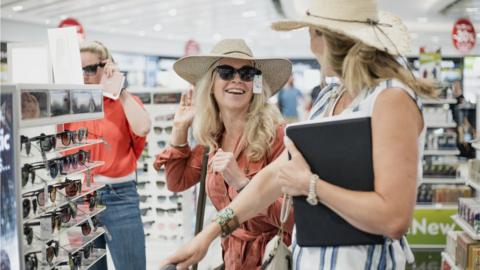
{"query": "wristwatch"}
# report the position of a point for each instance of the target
(312, 194)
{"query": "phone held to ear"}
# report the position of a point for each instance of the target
(112, 86)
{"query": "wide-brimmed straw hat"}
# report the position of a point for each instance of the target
(357, 19)
(275, 71)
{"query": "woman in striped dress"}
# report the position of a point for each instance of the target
(360, 45)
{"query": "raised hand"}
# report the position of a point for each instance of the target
(186, 111)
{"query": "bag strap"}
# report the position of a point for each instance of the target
(201, 195)
(284, 212)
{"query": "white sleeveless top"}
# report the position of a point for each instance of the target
(393, 254)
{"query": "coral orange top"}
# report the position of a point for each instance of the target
(122, 148)
(245, 247)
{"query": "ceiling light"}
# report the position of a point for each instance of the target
(249, 14)
(141, 33)
(157, 27)
(17, 8)
(472, 9)
(422, 19)
(238, 2)
(172, 12)
(217, 37)
(125, 21)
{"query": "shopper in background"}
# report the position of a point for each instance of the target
(230, 114)
(124, 128)
(288, 99)
(360, 48)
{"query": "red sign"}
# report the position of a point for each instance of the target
(463, 35)
(69, 22)
(192, 47)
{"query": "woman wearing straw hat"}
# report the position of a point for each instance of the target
(359, 44)
(229, 113)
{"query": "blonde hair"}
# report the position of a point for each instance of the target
(261, 120)
(360, 65)
(96, 47)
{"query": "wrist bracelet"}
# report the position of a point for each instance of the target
(178, 145)
(227, 220)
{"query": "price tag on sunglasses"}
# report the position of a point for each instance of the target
(257, 84)
(46, 228)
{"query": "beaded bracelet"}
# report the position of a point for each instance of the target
(227, 220)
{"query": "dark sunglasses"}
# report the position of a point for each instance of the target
(91, 199)
(143, 198)
(28, 232)
(246, 73)
(161, 184)
(28, 205)
(31, 260)
(72, 161)
(72, 187)
(148, 224)
(161, 144)
(87, 229)
(142, 185)
(28, 170)
(87, 250)
(172, 198)
(52, 250)
(162, 211)
(91, 70)
(67, 137)
(75, 261)
(159, 130)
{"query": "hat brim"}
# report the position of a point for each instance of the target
(394, 39)
(275, 71)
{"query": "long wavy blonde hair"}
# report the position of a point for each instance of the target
(261, 120)
(360, 65)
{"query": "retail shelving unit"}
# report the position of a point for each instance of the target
(44, 110)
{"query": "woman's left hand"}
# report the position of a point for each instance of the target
(109, 68)
(294, 174)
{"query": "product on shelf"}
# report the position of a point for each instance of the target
(451, 244)
(469, 210)
(467, 252)
(435, 193)
(474, 170)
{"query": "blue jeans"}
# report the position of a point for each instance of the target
(123, 221)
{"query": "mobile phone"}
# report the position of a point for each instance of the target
(112, 86)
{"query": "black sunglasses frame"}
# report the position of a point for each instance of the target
(246, 73)
(91, 70)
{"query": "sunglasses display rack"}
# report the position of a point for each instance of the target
(58, 201)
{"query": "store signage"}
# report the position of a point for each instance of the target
(192, 47)
(430, 226)
(10, 252)
(71, 22)
(463, 35)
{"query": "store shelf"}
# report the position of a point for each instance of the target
(466, 227)
(441, 125)
(74, 248)
(101, 253)
(446, 257)
(92, 188)
(80, 169)
(446, 180)
(438, 101)
(57, 120)
(437, 206)
(430, 152)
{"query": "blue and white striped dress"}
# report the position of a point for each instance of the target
(393, 254)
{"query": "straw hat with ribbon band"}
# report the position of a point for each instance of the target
(360, 20)
(275, 71)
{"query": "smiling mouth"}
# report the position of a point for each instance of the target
(235, 91)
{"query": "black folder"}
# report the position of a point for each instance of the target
(339, 152)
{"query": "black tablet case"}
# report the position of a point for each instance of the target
(340, 152)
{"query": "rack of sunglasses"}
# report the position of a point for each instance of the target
(57, 197)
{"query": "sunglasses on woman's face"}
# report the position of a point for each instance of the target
(91, 70)
(246, 73)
